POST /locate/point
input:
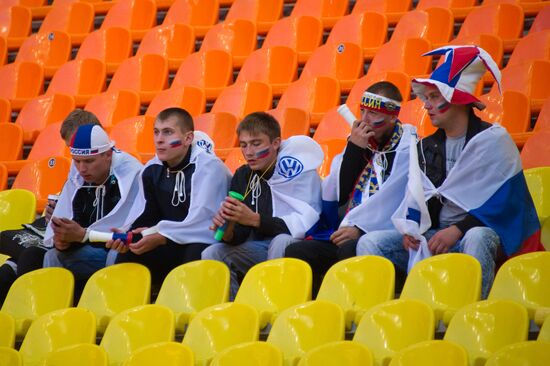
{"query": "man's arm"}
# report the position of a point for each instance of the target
(353, 163)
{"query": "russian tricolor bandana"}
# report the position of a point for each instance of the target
(378, 103)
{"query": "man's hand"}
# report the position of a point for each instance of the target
(344, 234)
(49, 210)
(235, 210)
(410, 243)
(117, 245)
(360, 134)
(147, 243)
(444, 239)
(65, 232)
(217, 221)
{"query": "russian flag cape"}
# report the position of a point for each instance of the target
(487, 181)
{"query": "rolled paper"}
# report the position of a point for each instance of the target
(348, 115)
(221, 230)
(98, 236)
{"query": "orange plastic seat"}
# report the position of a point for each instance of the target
(403, 55)
(21, 82)
(238, 37)
(146, 75)
(262, 13)
(397, 78)
(81, 79)
(144, 139)
(113, 106)
(11, 142)
(542, 20)
(536, 151)
(276, 66)
(5, 110)
(125, 135)
(367, 29)
(50, 50)
(16, 24)
(393, 9)
(504, 20)
(534, 46)
(243, 98)
(332, 126)
(302, 33)
(43, 177)
(314, 95)
(76, 19)
(293, 121)
(459, 8)
(209, 70)
(235, 160)
(3, 51)
(329, 11)
(3, 177)
(189, 98)
(413, 112)
(174, 42)
(435, 25)
(543, 120)
(331, 148)
(342, 61)
(200, 15)
(135, 15)
(42, 111)
(111, 46)
(220, 126)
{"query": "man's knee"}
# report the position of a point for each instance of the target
(481, 238)
(51, 258)
(278, 245)
(214, 252)
(297, 250)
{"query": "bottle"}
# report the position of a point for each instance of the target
(221, 230)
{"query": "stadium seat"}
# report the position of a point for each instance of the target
(112, 107)
(11, 141)
(484, 327)
(21, 82)
(3, 177)
(137, 327)
(342, 61)
(174, 42)
(303, 327)
(293, 121)
(3, 51)
(537, 181)
(530, 353)
(201, 16)
(446, 282)
(332, 126)
(314, 95)
(331, 148)
(301, 33)
(161, 353)
(343, 353)
(262, 13)
(254, 353)
(83, 354)
(276, 66)
(220, 126)
(534, 46)
(459, 8)
(238, 37)
(9, 356)
(37, 293)
(401, 80)
(16, 23)
(144, 131)
(511, 109)
(414, 113)
(114, 289)
(183, 289)
(392, 326)
(219, 327)
(393, 9)
(7, 336)
(435, 25)
(50, 50)
(275, 285)
(432, 353)
(146, 75)
(367, 29)
(544, 331)
(17, 206)
(530, 78)
(111, 46)
(234, 159)
(81, 79)
(328, 11)
(210, 70)
(137, 16)
(357, 284)
(541, 21)
(42, 111)
(190, 98)
(126, 134)
(536, 151)
(243, 98)
(75, 19)
(5, 110)
(523, 279)
(43, 177)
(403, 55)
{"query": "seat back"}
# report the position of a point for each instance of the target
(17, 20)
(541, 20)
(7, 324)
(219, 327)
(75, 19)
(344, 353)
(331, 148)
(48, 143)
(220, 126)
(3, 177)
(134, 15)
(203, 14)
(243, 98)
(190, 98)
(17, 206)
(293, 121)
(431, 353)
(536, 151)
(537, 179)
(382, 6)
(79, 78)
(9, 356)
(332, 126)
(234, 160)
(22, 80)
(249, 354)
(11, 141)
(414, 113)
(484, 327)
(238, 37)
(164, 353)
(112, 107)
(531, 78)
(403, 55)
(324, 10)
(51, 50)
(511, 109)
(5, 110)
(83, 354)
(111, 46)
(504, 20)
(146, 73)
(368, 30)
(436, 25)
(114, 289)
(534, 46)
(543, 120)
(174, 42)
(528, 353)
(544, 331)
(3, 51)
(262, 13)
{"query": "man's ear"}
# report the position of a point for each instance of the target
(189, 138)
(276, 143)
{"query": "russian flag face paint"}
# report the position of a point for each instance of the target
(443, 107)
(175, 143)
(262, 153)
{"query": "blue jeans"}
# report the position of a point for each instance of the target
(240, 258)
(479, 242)
(82, 262)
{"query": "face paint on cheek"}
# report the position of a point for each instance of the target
(175, 143)
(378, 124)
(262, 153)
(443, 107)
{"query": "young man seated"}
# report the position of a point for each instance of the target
(181, 189)
(282, 197)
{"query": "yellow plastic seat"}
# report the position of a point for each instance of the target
(55, 330)
(431, 353)
(525, 279)
(83, 354)
(484, 327)
(162, 353)
(114, 289)
(254, 353)
(7, 335)
(342, 353)
(183, 289)
(538, 179)
(531, 353)
(357, 284)
(218, 327)
(544, 332)
(446, 282)
(303, 327)
(392, 326)
(10, 357)
(135, 328)
(17, 206)
(275, 285)
(36, 293)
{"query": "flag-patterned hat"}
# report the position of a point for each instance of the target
(90, 140)
(459, 74)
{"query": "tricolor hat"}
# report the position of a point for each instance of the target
(90, 140)
(459, 75)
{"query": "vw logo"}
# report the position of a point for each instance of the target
(289, 167)
(205, 145)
